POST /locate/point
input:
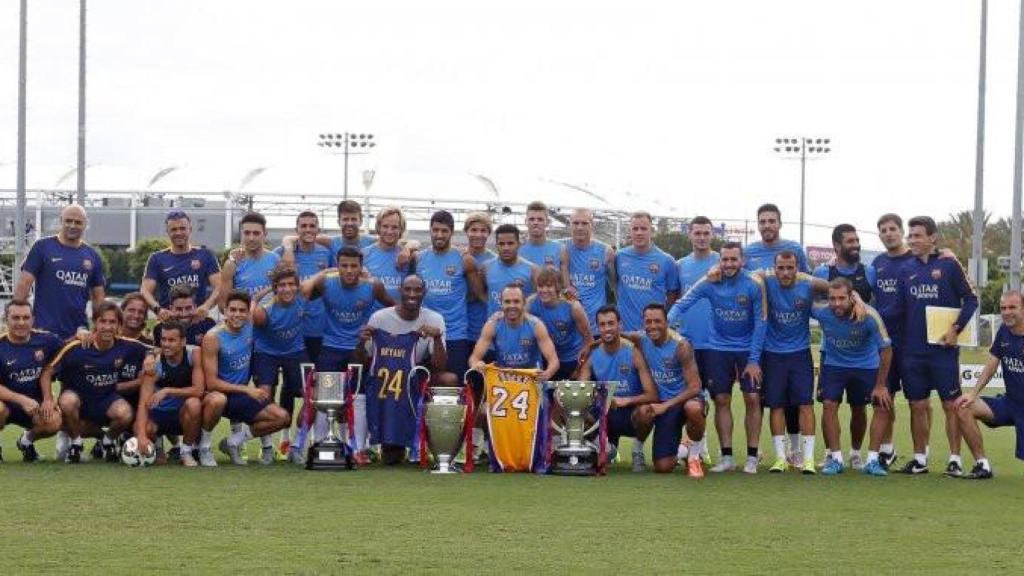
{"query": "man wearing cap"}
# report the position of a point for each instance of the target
(182, 263)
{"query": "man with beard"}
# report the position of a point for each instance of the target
(519, 339)
(182, 264)
(450, 277)
(508, 269)
(248, 267)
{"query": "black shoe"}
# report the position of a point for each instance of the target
(174, 454)
(887, 459)
(914, 467)
(74, 454)
(954, 469)
(97, 451)
(110, 453)
(28, 452)
(979, 472)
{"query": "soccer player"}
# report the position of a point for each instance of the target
(761, 255)
(381, 258)
(565, 320)
(646, 274)
(737, 339)
(451, 278)
(133, 307)
(695, 325)
(23, 401)
(538, 249)
(1004, 410)
(397, 339)
(183, 308)
(508, 269)
(519, 339)
(670, 360)
(248, 267)
(928, 280)
(180, 264)
(618, 360)
(279, 349)
(855, 362)
(227, 356)
(90, 376)
(589, 266)
(67, 274)
(308, 258)
(170, 395)
(477, 228)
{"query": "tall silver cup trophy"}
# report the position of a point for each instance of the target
(575, 455)
(445, 416)
(331, 452)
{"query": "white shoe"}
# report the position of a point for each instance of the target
(63, 443)
(751, 466)
(724, 465)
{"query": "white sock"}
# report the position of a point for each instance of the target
(698, 448)
(872, 456)
(704, 444)
(106, 440)
(854, 454)
(205, 439)
(238, 438)
(889, 448)
(360, 425)
(638, 446)
(77, 441)
(956, 458)
(808, 450)
(927, 452)
(267, 441)
(779, 443)
(794, 443)
(286, 434)
(236, 426)
(922, 459)
(837, 455)
(984, 464)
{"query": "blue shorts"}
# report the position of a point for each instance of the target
(895, 377)
(242, 408)
(265, 368)
(168, 422)
(1007, 412)
(313, 346)
(939, 371)
(17, 415)
(856, 382)
(668, 431)
(565, 369)
(701, 358)
(458, 356)
(94, 408)
(620, 423)
(724, 368)
(788, 379)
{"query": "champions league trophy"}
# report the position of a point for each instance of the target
(332, 453)
(575, 456)
(445, 416)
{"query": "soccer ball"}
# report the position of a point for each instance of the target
(131, 456)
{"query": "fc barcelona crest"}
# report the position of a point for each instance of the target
(360, 304)
(39, 355)
(936, 274)
(87, 264)
(595, 264)
(624, 369)
(653, 268)
(450, 270)
(118, 362)
(800, 304)
(196, 264)
(742, 299)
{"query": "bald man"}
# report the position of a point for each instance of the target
(67, 273)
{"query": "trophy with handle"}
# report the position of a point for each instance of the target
(444, 416)
(331, 397)
(576, 456)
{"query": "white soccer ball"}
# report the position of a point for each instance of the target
(131, 456)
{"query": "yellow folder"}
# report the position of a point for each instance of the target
(940, 318)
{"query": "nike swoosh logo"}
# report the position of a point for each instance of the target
(55, 259)
(11, 362)
(168, 269)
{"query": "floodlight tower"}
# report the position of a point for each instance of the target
(347, 144)
(803, 149)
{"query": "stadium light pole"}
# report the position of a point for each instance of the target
(347, 144)
(80, 189)
(368, 176)
(803, 149)
(1018, 168)
(19, 209)
(978, 220)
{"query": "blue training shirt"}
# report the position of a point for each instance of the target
(588, 273)
(738, 313)
(561, 327)
(759, 256)
(282, 333)
(308, 263)
(65, 278)
(850, 344)
(338, 242)
(616, 367)
(476, 311)
(546, 255)
(348, 310)
(253, 274)
(789, 309)
(666, 370)
(235, 357)
(447, 290)
(382, 263)
(937, 282)
(193, 268)
(1009, 349)
(22, 363)
(886, 293)
(92, 372)
(498, 275)
(644, 278)
(696, 323)
(516, 346)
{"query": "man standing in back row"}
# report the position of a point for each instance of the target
(646, 274)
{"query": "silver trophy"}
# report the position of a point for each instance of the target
(575, 456)
(332, 453)
(445, 415)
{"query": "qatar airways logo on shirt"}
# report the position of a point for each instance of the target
(787, 318)
(583, 280)
(637, 282)
(101, 380)
(847, 343)
(239, 363)
(886, 285)
(347, 316)
(289, 333)
(665, 376)
(925, 291)
(26, 375)
(514, 359)
(1013, 364)
(72, 278)
(439, 286)
(186, 280)
(730, 315)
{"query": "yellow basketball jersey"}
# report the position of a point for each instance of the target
(513, 401)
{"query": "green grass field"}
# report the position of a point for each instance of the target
(98, 517)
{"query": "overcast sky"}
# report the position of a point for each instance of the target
(676, 100)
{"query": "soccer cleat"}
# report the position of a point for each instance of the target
(832, 467)
(110, 452)
(232, 452)
(74, 455)
(795, 459)
(751, 466)
(175, 453)
(808, 468)
(267, 455)
(97, 451)
(979, 472)
(705, 459)
(856, 462)
(914, 467)
(874, 468)
(206, 458)
(639, 462)
(779, 466)
(954, 469)
(361, 458)
(284, 446)
(62, 444)
(187, 460)
(887, 459)
(724, 465)
(694, 467)
(28, 452)
(295, 456)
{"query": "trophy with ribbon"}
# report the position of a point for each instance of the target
(447, 414)
(333, 394)
(575, 455)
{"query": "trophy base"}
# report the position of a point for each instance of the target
(329, 455)
(445, 466)
(574, 461)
